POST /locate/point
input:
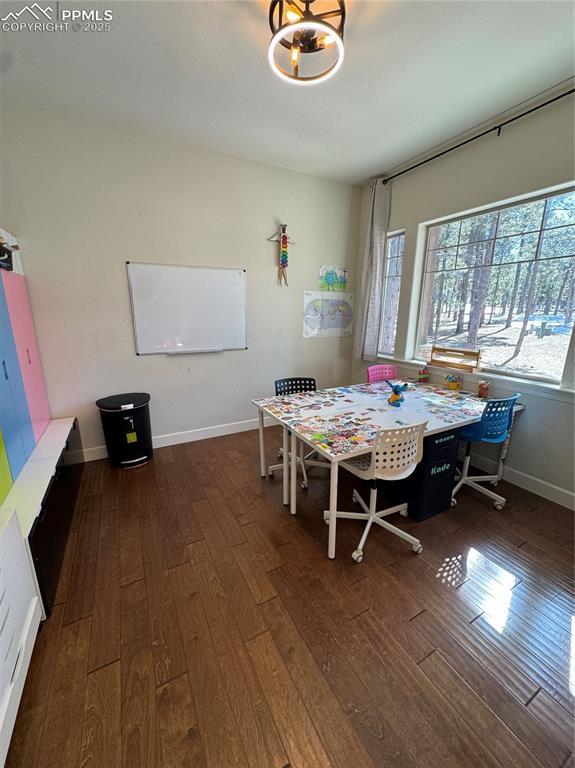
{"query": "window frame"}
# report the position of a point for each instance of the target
(421, 270)
(380, 353)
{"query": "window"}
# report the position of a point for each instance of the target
(504, 282)
(391, 286)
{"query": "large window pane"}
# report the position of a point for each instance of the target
(511, 295)
(474, 254)
(478, 228)
(443, 258)
(392, 285)
(443, 236)
(521, 218)
(516, 248)
(558, 242)
(560, 210)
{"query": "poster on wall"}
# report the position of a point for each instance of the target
(326, 315)
(332, 278)
(10, 253)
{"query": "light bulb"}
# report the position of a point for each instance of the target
(291, 31)
(293, 14)
(325, 40)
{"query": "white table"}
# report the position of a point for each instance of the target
(342, 422)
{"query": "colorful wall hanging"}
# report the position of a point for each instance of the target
(284, 240)
(332, 278)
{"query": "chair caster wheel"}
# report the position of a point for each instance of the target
(498, 506)
(453, 502)
(403, 512)
(417, 548)
(270, 473)
(304, 485)
(357, 555)
(493, 483)
(280, 453)
(326, 518)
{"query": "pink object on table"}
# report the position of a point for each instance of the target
(16, 292)
(381, 373)
(483, 389)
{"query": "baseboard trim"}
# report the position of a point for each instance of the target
(540, 487)
(535, 485)
(172, 438)
(191, 435)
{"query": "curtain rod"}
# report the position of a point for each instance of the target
(497, 128)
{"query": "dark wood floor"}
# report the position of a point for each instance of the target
(199, 624)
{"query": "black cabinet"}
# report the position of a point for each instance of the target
(428, 490)
(49, 534)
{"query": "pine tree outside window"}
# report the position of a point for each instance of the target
(504, 282)
(392, 284)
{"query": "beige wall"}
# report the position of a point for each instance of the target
(85, 198)
(532, 154)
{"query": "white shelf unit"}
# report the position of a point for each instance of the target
(21, 608)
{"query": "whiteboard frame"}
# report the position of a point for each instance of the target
(187, 266)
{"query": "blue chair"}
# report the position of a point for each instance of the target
(494, 427)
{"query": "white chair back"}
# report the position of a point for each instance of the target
(397, 451)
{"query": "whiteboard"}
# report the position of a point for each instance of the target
(182, 309)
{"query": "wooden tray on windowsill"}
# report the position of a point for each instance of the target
(461, 359)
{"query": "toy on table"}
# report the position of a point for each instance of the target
(453, 381)
(284, 240)
(483, 389)
(396, 398)
(423, 374)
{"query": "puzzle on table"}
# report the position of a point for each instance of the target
(345, 420)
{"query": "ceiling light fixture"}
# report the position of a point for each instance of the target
(297, 31)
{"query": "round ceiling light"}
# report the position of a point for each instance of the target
(298, 33)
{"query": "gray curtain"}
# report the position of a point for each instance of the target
(368, 314)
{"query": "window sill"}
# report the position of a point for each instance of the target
(502, 383)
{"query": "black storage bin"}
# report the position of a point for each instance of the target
(428, 490)
(127, 429)
(49, 533)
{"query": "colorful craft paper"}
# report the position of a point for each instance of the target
(344, 421)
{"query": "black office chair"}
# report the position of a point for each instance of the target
(293, 386)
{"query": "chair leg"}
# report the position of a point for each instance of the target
(375, 517)
(300, 460)
(465, 470)
(415, 543)
(457, 488)
(474, 482)
(303, 460)
(358, 553)
(357, 498)
(500, 501)
(317, 461)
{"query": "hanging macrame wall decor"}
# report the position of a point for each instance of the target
(284, 240)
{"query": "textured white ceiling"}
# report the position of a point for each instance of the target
(415, 74)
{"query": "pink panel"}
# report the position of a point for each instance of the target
(20, 312)
(380, 373)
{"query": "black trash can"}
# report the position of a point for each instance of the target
(127, 429)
